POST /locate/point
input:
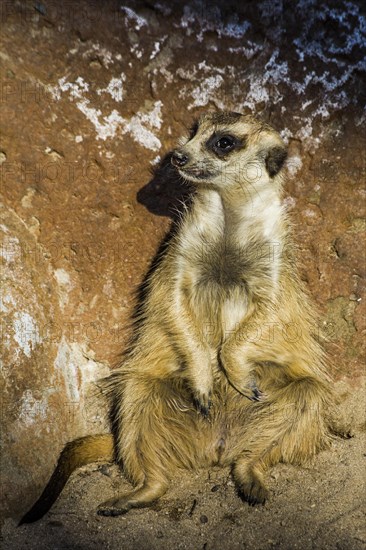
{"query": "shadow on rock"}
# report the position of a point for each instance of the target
(166, 194)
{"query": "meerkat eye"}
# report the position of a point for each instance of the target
(222, 144)
(225, 143)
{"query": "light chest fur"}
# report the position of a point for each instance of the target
(227, 257)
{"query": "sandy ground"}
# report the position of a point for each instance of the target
(316, 507)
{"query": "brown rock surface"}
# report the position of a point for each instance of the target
(93, 95)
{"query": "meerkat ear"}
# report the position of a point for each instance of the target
(275, 159)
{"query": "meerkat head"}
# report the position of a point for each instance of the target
(226, 149)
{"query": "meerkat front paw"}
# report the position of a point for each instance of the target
(248, 389)
(255, 394)
(240, 374)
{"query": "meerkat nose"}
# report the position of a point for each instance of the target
(179, 159)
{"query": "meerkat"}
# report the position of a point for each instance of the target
(225, 367)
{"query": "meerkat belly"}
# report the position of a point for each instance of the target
(232, 312)
(222, 310)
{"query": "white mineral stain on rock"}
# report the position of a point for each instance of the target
(257, 92)
(260, 85)
(68, 365)
(78, 370)
(205, 91)
(131, 16)
(114, 88)
(210, 20)
(305, 133)
(153, 118)
(286, 134)
(3, 302)
(137, 127)
(106, 129)
(62, 277)
(55, 156)
(135, 50)
(248, 51)
(26, 201)
(293, 165)
(142, 135)
(163, 8)
(274, 80)
(65, 285)
(312, 45)
(102, 53)
(140, 126)
(76, 89)
(309, 213)
(31, 409)
(8, 299)
(26, 332)
(156, 50)
(10, 249)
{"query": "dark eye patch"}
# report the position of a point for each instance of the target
(222, 143)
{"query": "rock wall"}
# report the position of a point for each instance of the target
(93, 95)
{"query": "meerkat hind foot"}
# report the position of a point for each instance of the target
(341, 428)
(140, 498)
(249, 483)
(252, 490)
(115, 506)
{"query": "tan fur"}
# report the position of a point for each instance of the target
(224, 367)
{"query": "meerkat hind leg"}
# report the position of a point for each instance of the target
(139, 498)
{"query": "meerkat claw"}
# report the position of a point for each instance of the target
(202, 405)
(258, 395)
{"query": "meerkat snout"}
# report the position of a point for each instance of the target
(179, 159)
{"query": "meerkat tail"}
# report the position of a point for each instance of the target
(77, 453)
